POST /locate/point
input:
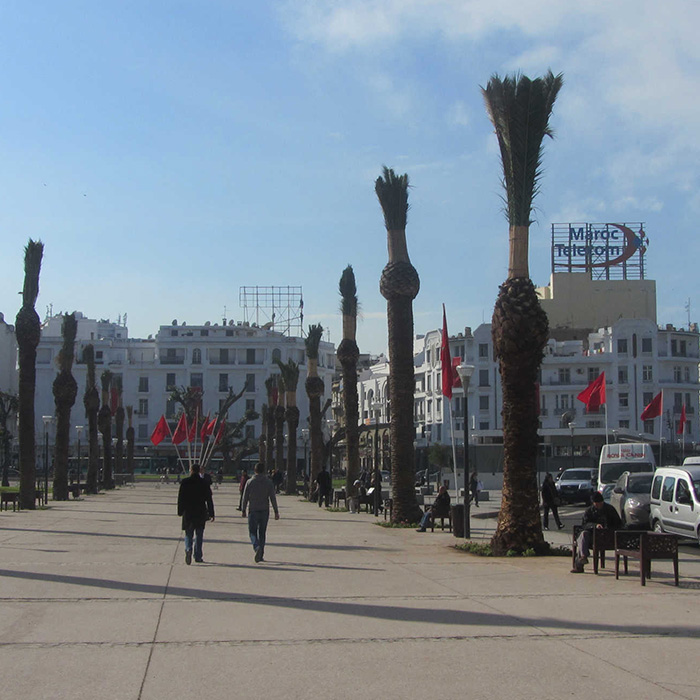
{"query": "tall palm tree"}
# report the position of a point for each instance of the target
(348, 354)
(272, 398)
(519, 109)
(314, 390)
(104, 422)
(28, 332)
(130, 440)
(119, 417)
(91, 401)
(399, 285)
(65, 390)
(290, 375)
(8, 406)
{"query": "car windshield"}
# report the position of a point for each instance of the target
(639, 484)
(611, 472)
(576, 475)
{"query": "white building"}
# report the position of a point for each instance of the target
(8, 357)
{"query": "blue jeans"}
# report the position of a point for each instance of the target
(196, 533)
(427, 519)
(257, 527)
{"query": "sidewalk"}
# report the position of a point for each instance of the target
(96, 602)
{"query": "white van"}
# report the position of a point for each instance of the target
(622, 457)
(688, 461)
(675, 501)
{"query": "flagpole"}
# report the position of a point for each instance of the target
(661, 430)
(454, 450)
(607, 439)
(211, 442)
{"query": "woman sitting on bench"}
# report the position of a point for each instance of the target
(439, 509)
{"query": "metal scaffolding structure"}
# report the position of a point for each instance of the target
(277, 308)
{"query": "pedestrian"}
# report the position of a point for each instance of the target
(474, 487)
(277, 479)
(196, 505)
(550, 501)
(259, 492)
(599, 515)
(323, 479)
(241, 487)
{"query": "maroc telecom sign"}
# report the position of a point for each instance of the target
(605, 251)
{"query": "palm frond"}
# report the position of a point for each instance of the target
(69, 329)
(33, 253)
(392, 192)
(348, 292)
(312, 341)
(519, 109)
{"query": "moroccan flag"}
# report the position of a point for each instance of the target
(445, 359)
(160, 432)
(594, 394)
(681, 424)
(655, 408)
(220, 432)
(192, 433)
(203, 432)
(456, 381)
(180, 434)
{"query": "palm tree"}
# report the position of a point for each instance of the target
(348, 354)
(519, 109)
(279, 424)
(119, 416)
(262, 439)
(104, 422)
(91, 401)
(399, 285)
(65, 389)
(28, 332)
(314, 390)
(8, 406)
(290, 375)
(272, 398)
(130, 440)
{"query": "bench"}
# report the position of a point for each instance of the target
(603, 541)
(7, 497)
(338, 496)
(645, 547)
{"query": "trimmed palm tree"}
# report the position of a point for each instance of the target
(272, 398)
(279, 424)
(65, 390)
(91, 401)
(520, 109)
(104, 422)
(8, 407)
(348, 355)
(119, 416)
(290, 376)
(130, 440)
(314, 390)
(28, 332)
(399, 285)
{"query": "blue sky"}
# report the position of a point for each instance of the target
(168, 153)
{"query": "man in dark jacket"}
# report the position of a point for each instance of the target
(196, 506)
(439, 509)
(599, 515)
(323, 479)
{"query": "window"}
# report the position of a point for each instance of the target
(647, 373)
(143, 431)
(196, 356)
(656, 487)
(483, 377)
(649, 426)
(622, 375)
(99, 355)
(204, 332)
(427, 355)
(686, 374)
(623, 399)
(647, 397)
(197, 380)
(249, 405)
(143, 407)
(173, 333)
(143, 384)
(622, 346)
(223, 356)
(624, 424)
(677, 373)
(430, 383)
(223, 382)
(565, 376)
(43, 356)
(483, 403)
(250, 357)
(564, 401)
(683, 493)
(229, 333)
(667, 489)
(170, 407)
(438, 407)
(484, 350)
(593, 373)
(646, 346)
(276, 355)
(250, 382)
(484, 425)
(170, 381)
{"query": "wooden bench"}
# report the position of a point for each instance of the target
(338, 496)
(442, 521)
(603, 541)
(645, 547)
(7, 497)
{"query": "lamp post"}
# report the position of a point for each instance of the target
(330, 422)
(79, 429)
(465, 374)
(305, 438)
(376, 407)
(427, 461)
(47, 422)
(572, 425)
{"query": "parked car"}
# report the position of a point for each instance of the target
(675, 501)
(631, 499)
(576, 485)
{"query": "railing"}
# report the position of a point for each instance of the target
(172, 360)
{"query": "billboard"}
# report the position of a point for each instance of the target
(605, 251)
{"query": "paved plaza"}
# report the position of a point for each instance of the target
(96, 602)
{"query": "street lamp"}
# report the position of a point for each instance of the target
(572, 425)
(427, 461)
(305, 438)
(47, 422)
(79, 429)
(465, 374)
(377, 408)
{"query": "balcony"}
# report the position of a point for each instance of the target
(172, 360)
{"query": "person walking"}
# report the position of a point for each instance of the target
(241, 487)
(259, 492)
(196, 505)
(475, 487)
(550, 501)
(323, 479)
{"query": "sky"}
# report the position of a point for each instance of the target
(168, 153)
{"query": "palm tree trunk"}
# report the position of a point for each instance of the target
(119, 434)
(292, 415)
(27, 435)
(270, 440)
(93, 466)
(279, 437)
(348, 354)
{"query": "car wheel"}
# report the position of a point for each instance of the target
(657, 527)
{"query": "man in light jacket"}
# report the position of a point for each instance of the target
(259, 492)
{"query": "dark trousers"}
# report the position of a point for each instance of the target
(257, 527)
(555, 513)
(324, 495)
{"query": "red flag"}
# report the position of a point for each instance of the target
(456, 380)
(681, 424)
(655, 408)
(161, 431)
(211, 426)
(220, 432)
(594, 394)
(203, 432)
(192, 432)
(180, 434)
(445, 360)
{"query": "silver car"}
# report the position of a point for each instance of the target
(631, 499)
